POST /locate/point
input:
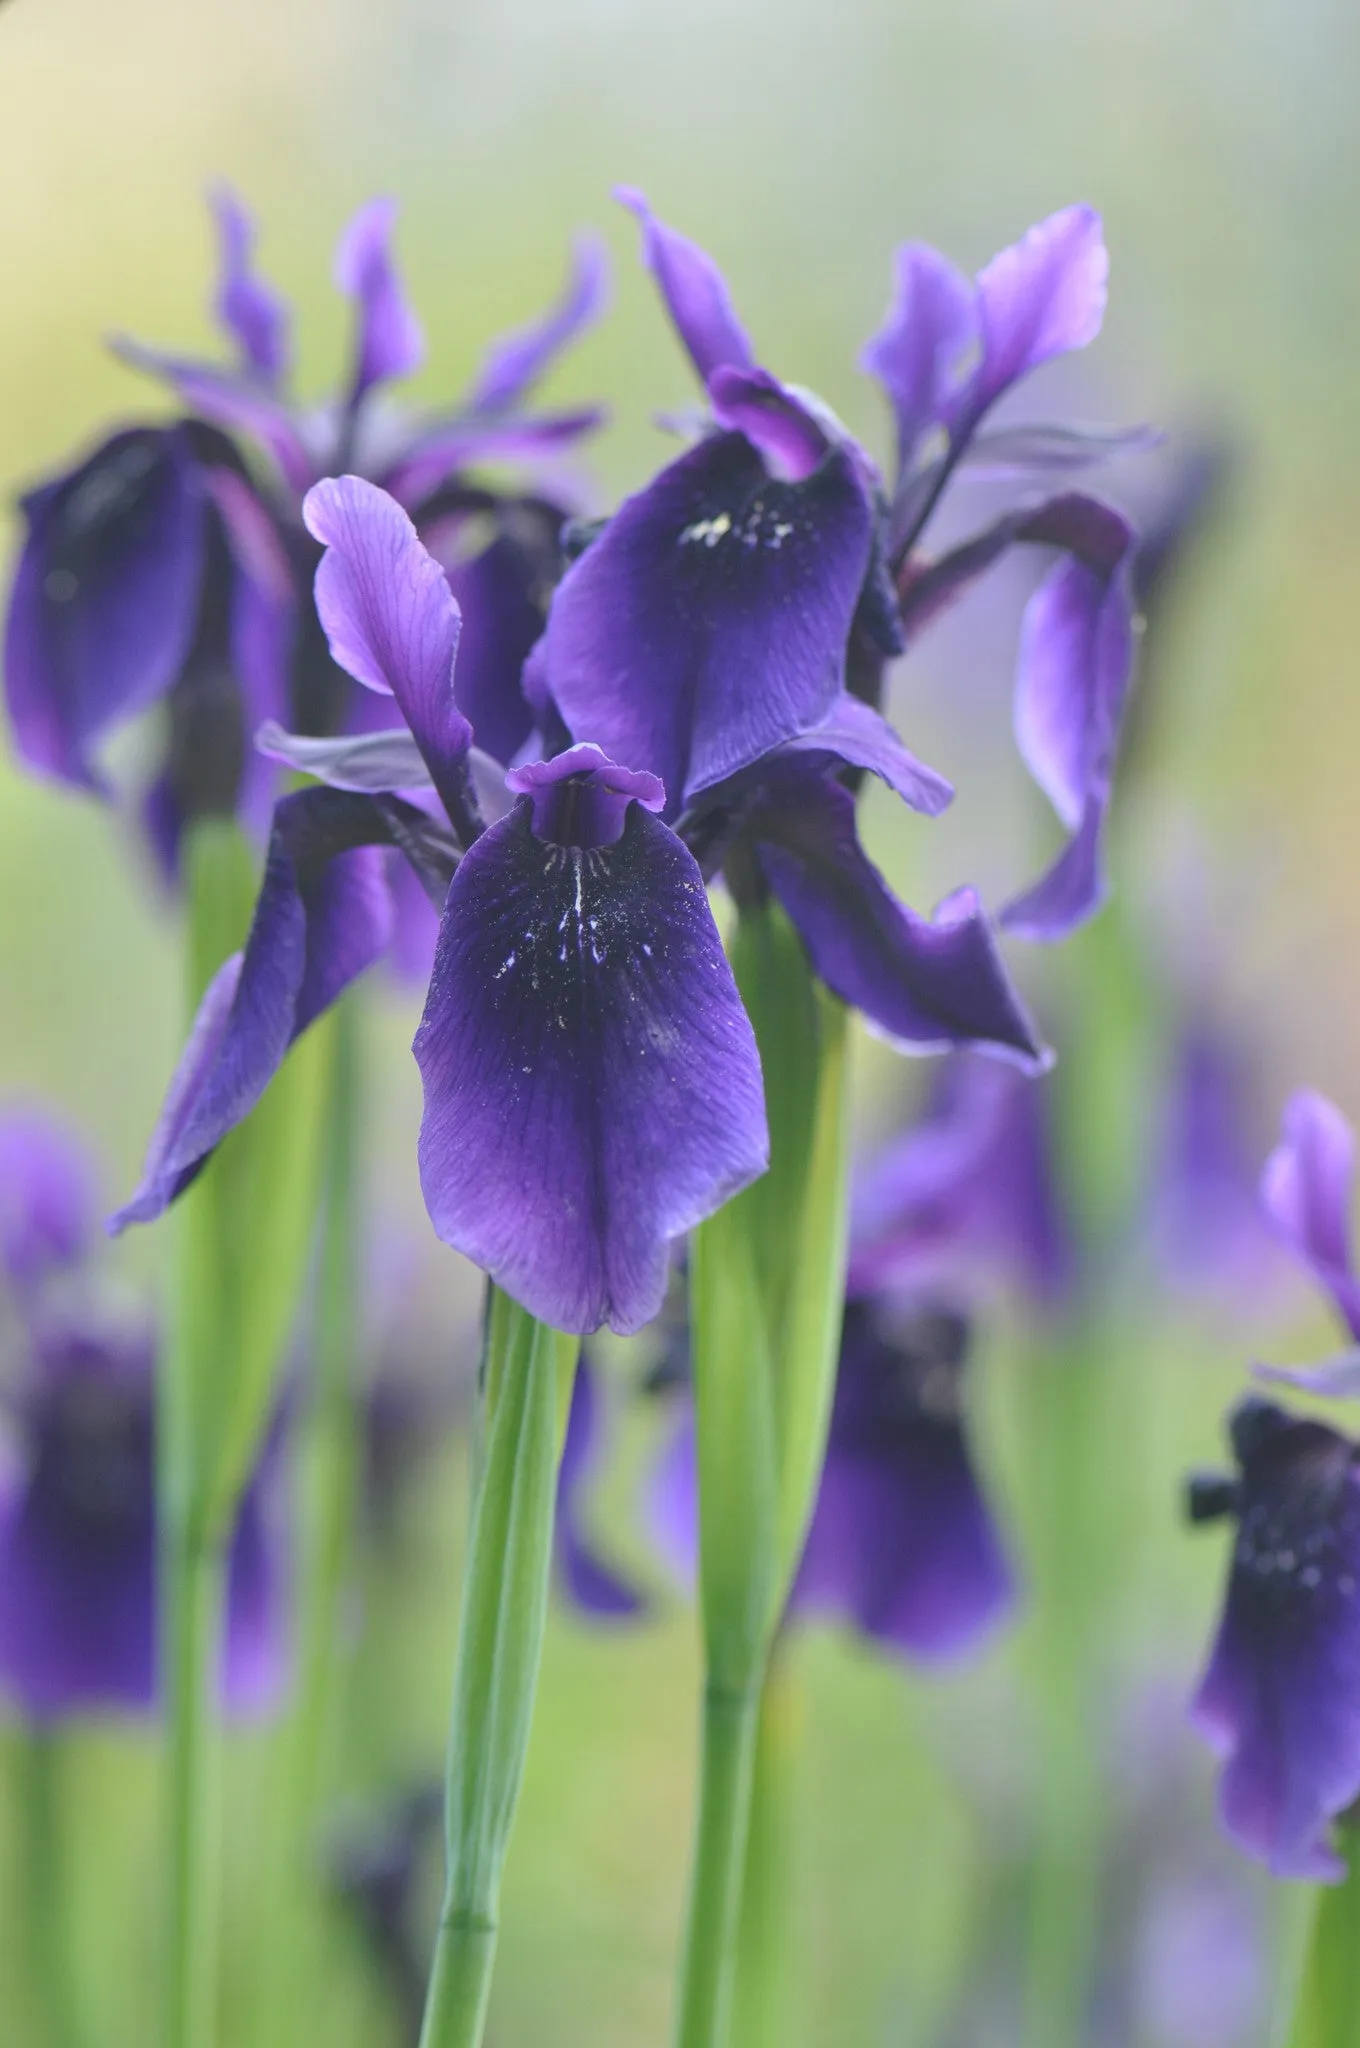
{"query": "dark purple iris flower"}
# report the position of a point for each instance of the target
(77, 1511)
(167, 567)
(902, 1545)
(729, 626)
(965, 1193)
(1280, 1700)
(592, 1087)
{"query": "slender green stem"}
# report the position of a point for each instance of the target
(527, 1382)
(44, 1890)
(193, 1570)
(764, 1999)
(726, 1774)
(1327, 2010)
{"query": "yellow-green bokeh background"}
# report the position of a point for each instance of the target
(799, 143)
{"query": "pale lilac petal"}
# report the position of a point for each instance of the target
(250, 309)
(1306, 1191)
(390, 617)
(696, 297)
(1040, 298)
(592, 1087)
(1076, 655)
(233, 402)
(444, 447)
(47, 1194)
(710, 618)
(1070, 891)
(514, 364)
(389, 341)
(922, 348)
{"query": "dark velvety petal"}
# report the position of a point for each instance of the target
(250, 310)
(514, 364)
(709, 620)
(391, 618)
(926, 984)
(902, 1545)
(46, 1194)
(1306, 1190)
(588, 1581)
(696, 297)
(77, 1616)
(236, 403)
(1039, 298)
(105, 597)
(968, 1192)
(592, 1087)
(1280, 1700)
(262, 633)
(920, 352)
(389, 341)
(855, 734)
(444, 447)
(415, 927)
(324, 914)
(756, 404)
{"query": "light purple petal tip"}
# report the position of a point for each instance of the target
(249, 308)
(1306, 1191)
(390, 617)
(514, 364)
(696, 295)
(759, 406)
(1039, 298)
(46, 1193)
(919, 354)
(389, 341)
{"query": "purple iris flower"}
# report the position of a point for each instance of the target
(1280, 1700)
(592, 1087)
(167, 567)
(902, 1546)
(965, 1193)
(744, 604)
(77, 1508)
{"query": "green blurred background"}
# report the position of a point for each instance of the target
(799, 143)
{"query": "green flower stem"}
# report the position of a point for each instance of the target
(1327, 2010)
(43, 1887)
(764, 1998)
(526, 1388)
(767, 1280)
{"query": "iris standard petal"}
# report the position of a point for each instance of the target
(105, 598)
(925, 983)
(252, 312)
(592, 1086)
(709, 620)
(389, 341)
(1306, 1190)
(1040, 298)
(391, 619)
(696, 295)
(514, 364)
(919, 354)
(324, 914)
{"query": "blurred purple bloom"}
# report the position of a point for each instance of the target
(967, 1192)
(902, 1545)
(592, 1087)
(377, 1873)
(588, 1581)
(1280, 1700)
(1306, 1191)
(78, 1616)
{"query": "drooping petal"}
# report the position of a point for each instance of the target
(902, 1544)
(1040, 298)
(588, 1580)
(854, 733)
(925, 983)
(1306, 1190)
(514, 364)
(443, 447)
(1076, 652)
(592, 1087)
(324, 914)
(391, 619)
(236, 403)
(789, 436)
(921, 350)
(252, 312)
(1280, 1700)
(696, 296)
(105, 598)
(46, 1194)
(1070, 892)
(968, 1192)
(709, 620)
(389, 340)
(374, 763)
